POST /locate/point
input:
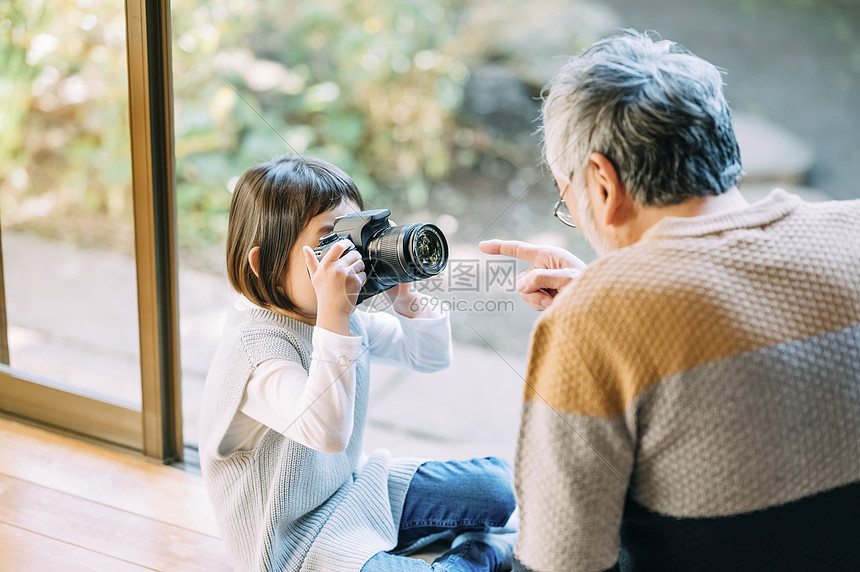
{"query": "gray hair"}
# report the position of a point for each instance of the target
(654, 109)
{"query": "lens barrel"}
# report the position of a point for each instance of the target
(407, 253)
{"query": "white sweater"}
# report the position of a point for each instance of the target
(280, 392)
(282, 506)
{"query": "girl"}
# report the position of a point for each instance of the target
(286, 399)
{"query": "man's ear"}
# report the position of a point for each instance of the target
(609, 191)
(254, 260)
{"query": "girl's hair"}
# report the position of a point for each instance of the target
(272, 203)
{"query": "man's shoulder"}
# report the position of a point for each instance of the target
(611, 283)
(834, 205)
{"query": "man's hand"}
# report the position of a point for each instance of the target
(552, 269)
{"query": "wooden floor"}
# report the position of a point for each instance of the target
(71, 506)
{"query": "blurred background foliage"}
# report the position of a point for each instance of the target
(64, 145)
(428, 104)
(371, 85)
(377, 87)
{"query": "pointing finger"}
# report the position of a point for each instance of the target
(516, 248)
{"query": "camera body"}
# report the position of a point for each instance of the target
(392, 254)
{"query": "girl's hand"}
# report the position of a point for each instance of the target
(400, 296)
(409, 302)
(337, 280)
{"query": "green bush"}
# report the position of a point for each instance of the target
(64, 142)
(370, 85)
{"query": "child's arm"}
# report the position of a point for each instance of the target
(422, 342)
(316, 409)
(313, 408)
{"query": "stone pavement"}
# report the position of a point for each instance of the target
(72, 317)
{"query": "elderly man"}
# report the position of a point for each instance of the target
(692, 398)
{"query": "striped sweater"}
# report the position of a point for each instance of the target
(693, 401)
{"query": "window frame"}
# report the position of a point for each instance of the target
(156, 430)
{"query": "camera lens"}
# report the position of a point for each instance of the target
(407, 253)
(429, 249)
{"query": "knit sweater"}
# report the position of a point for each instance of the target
(282, 506)
(692, 401)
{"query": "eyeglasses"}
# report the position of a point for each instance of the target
(562, 213)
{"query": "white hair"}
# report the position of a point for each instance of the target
(655, 110)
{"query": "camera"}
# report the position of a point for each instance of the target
(392, 254)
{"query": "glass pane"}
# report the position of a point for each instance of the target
(430, 105)
(381, 89)
(65, 196)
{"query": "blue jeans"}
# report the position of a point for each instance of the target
(444, 500)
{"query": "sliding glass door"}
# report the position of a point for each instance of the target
(87, 294)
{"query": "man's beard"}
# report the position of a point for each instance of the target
(588, 226)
